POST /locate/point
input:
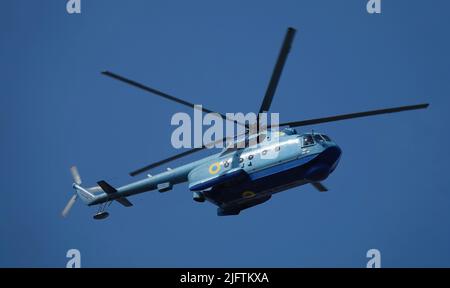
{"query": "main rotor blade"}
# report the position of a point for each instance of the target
(167, 160)
(177, 156)
(278, 69)
(162, 94)
(183, 154)
(353, 115)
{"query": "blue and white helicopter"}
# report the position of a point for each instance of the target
(237, 178)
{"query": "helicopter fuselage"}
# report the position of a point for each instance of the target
(236, 179)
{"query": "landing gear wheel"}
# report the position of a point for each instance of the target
(101, 215)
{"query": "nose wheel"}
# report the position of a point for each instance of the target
(102, 213)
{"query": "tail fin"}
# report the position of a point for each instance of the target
(85, 194)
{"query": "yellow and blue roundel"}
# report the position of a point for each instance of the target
(214, 168)
(248, 194)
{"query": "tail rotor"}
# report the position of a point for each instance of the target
(76, 182)
(75, 175)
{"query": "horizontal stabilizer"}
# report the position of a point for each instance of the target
(106, 187)
(124, 201)
(111, 191)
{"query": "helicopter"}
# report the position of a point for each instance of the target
(238, 177)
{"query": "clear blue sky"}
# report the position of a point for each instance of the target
(390, 191)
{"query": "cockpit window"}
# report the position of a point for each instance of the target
(318, 138)
(308, 140)
(326, 138)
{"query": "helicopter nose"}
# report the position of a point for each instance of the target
(325, 164)
(331, 155)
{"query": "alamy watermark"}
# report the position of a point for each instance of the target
(375, 258)
(73, 6)
(374, 7)
(190, 134)
(74, 256)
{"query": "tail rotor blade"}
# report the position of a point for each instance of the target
(75, 175)
(69, 205)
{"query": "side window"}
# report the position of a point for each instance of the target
(307, 140)
(318, 138)
(326, 138)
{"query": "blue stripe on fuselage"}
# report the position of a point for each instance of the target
(281, 167)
